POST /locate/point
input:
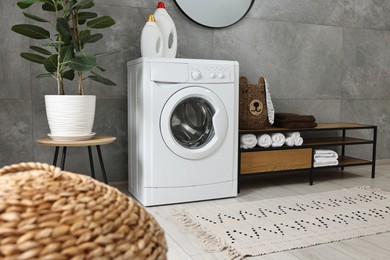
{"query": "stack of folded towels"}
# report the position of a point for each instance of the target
(324, 157)
(288, 120)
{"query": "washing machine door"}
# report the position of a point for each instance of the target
(193, 122)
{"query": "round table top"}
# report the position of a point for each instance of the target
(96, 140)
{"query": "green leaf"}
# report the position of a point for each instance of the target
(106, 53)
(84, 16)
(50, 63)
(36, 18)
(95, 37)
(83, 4)
(98, 78)
(101, 22)
(49, 6)
(23, 4)
(69, 74)
(33, 57)
(54, 44)
(45, 75)
(84, 36)
(82, 62)
(62, 27)
(40, 50)
(100, 68)
(66, 54)
(31, 31)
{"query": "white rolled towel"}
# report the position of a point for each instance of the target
(294, 135)
(278, 139)
(248, 141)
(298, 141)
(264, 140)
(290, 141)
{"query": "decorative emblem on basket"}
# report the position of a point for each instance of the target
(253, 105)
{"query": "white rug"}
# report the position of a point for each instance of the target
(274, 225)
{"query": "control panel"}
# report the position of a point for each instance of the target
(213, 73)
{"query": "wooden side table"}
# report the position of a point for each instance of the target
(94, 141)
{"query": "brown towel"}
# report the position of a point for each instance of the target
(289, 117)
(295, 124)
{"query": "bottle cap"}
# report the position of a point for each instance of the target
(151, 18)
(160, 5)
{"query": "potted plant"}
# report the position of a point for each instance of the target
(62, 54)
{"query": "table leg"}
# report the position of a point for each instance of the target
(63, 158)
(56, 155)
(101, 163)
(91, 162)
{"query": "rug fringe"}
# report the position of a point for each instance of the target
(209, 241)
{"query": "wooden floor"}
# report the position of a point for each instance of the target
(184, 245)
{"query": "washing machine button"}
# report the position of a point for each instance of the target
(212, 75)
(220, 76)
(195, 74)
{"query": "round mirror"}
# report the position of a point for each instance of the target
(215, 13)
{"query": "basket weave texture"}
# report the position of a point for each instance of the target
(252, 105)
(46, 213)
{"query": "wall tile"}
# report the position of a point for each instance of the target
(300, 61)
(14, 70)
(366, 64)
(326, 12)
(15, 132)
(370, 14)
(372, 112)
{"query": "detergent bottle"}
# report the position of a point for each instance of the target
(168, 31)
(151, 39)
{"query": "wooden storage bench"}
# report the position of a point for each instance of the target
(292, 158)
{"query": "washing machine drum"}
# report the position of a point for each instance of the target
(194, 123)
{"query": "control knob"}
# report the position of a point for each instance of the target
(220, 76)
(195, 74)
(212, 75)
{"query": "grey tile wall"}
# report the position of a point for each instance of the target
(328, 58)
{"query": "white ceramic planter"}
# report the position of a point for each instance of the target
(70, 117)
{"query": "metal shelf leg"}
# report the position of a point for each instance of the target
(102, 164)
(91, 162)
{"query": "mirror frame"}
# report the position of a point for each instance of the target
(213, 27)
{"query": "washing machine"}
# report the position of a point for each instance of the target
(183, 129)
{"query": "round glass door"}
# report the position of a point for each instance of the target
(193, 123)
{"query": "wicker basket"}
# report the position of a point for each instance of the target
(46, 213)
(253, 105)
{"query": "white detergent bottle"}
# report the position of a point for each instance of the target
(168, 30)
(151, 39)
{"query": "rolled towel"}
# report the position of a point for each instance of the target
(290, 141)
(248, 141)
(298, 141)
(278, 139)
(294, 135)
(264, 140)
(328, 163)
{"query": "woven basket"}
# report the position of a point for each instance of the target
(253, 106)
(46, 213)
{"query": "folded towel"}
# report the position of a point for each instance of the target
(278, 139)
(290, 117)
(325, 154)
(298, 141)
(328, 163)
(248, 141)
(293, 125)
(264, 140)
(325, 160)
